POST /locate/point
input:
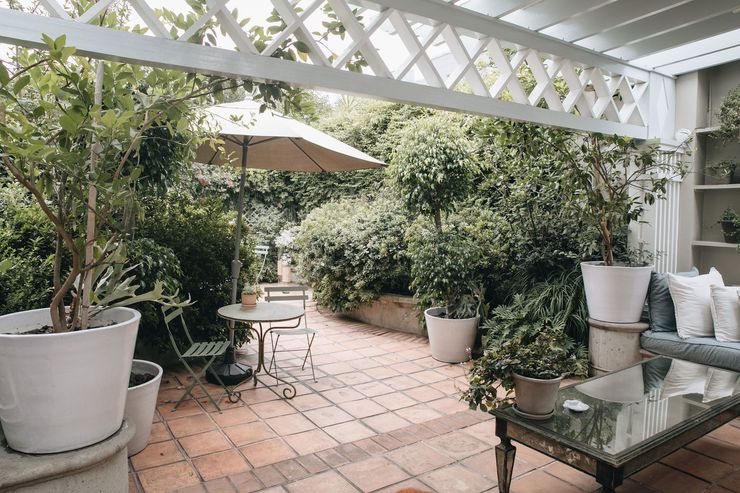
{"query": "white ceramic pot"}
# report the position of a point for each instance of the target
(60, 392)
(450, 338)
(140, 403)
(536, 396)
(615, 293)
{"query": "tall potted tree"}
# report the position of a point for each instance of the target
(433, 171)
(72, 145)
(619, 179)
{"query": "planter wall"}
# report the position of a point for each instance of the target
(64, 391)
(98, 468)
(140, 404)
(390, 311)
(449, 338)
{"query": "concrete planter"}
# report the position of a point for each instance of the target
(450, 338)
(615, 293)
(141, 401)
(65, 391)
(536, 396)
(101, 467)
(390, 311)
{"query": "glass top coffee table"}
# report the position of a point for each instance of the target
(637, 416)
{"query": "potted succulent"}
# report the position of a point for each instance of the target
(432, 170)
(141, 400)
(730, 221)
(65, 368)
(250, 294)
(530, 364)
(618, 180)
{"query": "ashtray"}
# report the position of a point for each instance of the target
(576, 405)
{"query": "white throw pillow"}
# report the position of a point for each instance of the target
(726, 313)
(693, 303)
(684, 378)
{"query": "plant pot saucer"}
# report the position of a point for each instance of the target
(535, 417)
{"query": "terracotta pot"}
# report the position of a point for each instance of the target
(249, 299)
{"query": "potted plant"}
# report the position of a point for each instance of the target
(530, 364)
(65, 368)
(141, 400)
(250, 294)
(432, 169)
(618, 180)
(726, 171)
(729, 117)
(730, 221)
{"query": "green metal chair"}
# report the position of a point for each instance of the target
(197, 350)
(285, 293)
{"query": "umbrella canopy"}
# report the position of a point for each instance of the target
(276, 142)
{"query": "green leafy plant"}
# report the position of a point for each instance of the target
(432, 168)
(725, 170)
(252, 289)
(729, 117)
(536, 350)
(730, 221)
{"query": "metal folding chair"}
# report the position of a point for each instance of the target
(285, 293)
(261, 251)
(197, 350)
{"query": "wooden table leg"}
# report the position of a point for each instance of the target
(505, 455)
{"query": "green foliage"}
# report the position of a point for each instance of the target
(538, 349)
(443, 268)
(431, 167)
(729, 117)
(202, 238)
(353, 250)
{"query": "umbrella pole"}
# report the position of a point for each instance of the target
(229, 370)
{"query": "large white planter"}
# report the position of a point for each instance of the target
(60, 392)
(615, 293)
(140, 403)
(450, 338)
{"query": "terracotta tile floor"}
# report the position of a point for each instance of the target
(382, 416)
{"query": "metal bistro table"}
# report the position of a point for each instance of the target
(637, 416)
(256, 316)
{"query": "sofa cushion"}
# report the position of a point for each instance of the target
(726, 313)
(702, 350)
(661, 311)
(693, 302)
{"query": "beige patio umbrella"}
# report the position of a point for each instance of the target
(270, 141)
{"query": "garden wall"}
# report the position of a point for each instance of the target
(390, 311)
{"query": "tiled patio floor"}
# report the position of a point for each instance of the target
(383, 416)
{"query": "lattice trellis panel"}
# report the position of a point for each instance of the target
(468, 70)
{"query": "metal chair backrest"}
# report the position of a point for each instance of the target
(170, 313)
(261, 250)
(288, 293)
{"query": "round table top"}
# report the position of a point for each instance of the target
(261, 312)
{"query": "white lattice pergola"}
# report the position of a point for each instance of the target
(552, 62)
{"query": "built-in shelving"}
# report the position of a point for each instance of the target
(732, 186)
(706, 130)
(713, 244)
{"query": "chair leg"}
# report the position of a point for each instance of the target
(189, 389)
(274, 351)
(309, 355)
(203, 372)
(228, 392)
(273, 345)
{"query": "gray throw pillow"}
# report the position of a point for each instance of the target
(660, 304)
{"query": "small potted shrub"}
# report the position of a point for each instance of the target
(530, 363)
(729, 117)
(618, 180)
(726, 171)
(730, 221)
(250, 294)
(432, 169)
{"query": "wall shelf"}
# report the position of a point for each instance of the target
(713, 244)
(732, 186)
(706, 130)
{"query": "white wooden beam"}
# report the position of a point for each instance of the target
(691, 50)
(704, 61)
(25, 29)
(551, 12)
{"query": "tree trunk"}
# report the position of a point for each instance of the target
(438, 220)
(92, 198)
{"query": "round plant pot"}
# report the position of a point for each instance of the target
(615, 293)
(140, 403)
(730, 231)
(535, 396)
(249, 299)
(450, 338)
(64, 391)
